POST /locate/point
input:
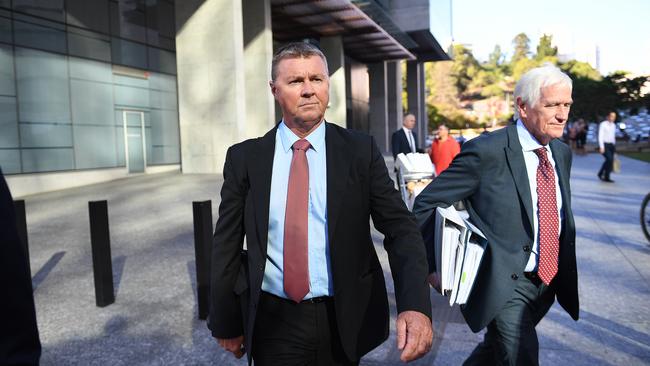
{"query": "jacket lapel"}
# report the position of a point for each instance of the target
(260, 174)
(517, 167)
(338, 167)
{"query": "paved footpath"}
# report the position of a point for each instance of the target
(154, 319)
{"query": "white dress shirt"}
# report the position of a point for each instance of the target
(606, 133)
(528, 144)
(409, 138)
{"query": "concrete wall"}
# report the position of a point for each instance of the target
(415, 89)
(333, 49)
(211, 83)
(379, 124)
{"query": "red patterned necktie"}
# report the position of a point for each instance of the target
(549, 244)
(296, 269)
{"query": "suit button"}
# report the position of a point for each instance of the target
(526, 248)
(261, 267)
(514, 276)
(571, 244)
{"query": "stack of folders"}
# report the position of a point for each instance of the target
(459, 247)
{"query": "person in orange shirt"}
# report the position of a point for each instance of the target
(443, 149)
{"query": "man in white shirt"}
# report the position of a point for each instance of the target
(606, 144)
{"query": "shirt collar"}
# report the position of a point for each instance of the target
(406, 129)
(316, 138)
(526, 139)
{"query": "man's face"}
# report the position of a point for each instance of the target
(611, 117)
(301, 87)
(443, 132)
(546, 119)
(409, 121)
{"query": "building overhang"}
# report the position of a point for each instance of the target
(428, 48)
(363, 38)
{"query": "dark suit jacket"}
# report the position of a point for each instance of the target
(358, 188)
(19, 343)
(400, 143)
(490, 176)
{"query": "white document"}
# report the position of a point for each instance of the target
(414, 163)
(459, 248)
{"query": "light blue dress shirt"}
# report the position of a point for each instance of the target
(320, 277)
(528, 144)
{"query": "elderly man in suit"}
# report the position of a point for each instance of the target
(515, 185)
(310, 289)
(405, 140)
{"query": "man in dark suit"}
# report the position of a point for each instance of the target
(310, 289)
(405, 140)
(515, 185)
(19, 343)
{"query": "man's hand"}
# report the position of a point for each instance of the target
(234, 345)
(414, 335)
(602, 150)
(434, 281)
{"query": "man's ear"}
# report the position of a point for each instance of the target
(272, 86)
(521, 107)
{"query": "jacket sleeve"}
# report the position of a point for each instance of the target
(402, 242)
(225, 320)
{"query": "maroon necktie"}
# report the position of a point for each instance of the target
(549, 245)
(296, 269)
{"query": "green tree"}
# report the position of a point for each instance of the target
(545, 48)
(496, 57)
(464, 68)
(521, 44)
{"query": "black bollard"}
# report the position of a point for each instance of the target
(101, 249)
(203, 253)
(21, 225)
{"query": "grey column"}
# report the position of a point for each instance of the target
(394, 83)
(333, 49)
(258, 53)
(415, 89)
(379, 123)
(211, 98)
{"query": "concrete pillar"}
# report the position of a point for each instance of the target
(211, 98)
(258, 53)
(394, 83)
(415, 89)
(379, 124)
(333, 49)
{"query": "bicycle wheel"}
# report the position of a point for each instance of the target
(645, 216)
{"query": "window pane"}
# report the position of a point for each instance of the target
(43, 160)
(161, 60)
(89, 44)
(51, 9)
(163, 100)
(45, 135)
(5, 30)
(128, 20)
(8, 122)
(92, 103)
(94, 146)
(128, 53)
(91, 14)
(130, 97)
(43, 93)
(90, 70)
(10, 161)
(162, 82)
(7, 77)
(39, 36)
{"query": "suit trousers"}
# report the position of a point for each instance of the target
(511, 338)
(289, 333)
(608, 164)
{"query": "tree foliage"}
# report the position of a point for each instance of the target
(453, 87)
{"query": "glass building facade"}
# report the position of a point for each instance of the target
(87, 84)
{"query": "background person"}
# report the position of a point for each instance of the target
(607, 146)
(405, 140)
(443, 149)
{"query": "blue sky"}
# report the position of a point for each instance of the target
(618, 28)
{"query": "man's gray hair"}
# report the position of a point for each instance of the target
(530, 85)
(295, 50)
